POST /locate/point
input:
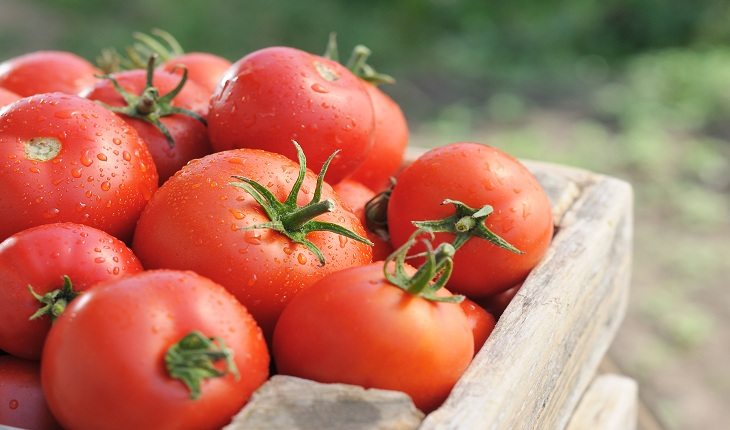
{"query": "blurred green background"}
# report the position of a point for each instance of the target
(638, 89)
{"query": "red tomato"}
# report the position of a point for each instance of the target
(204, 69)
(476, 175)
(65, 158)
(189, 135)
(105, 361)
(391, 138)
(497, 303)
(275, 95)
(481, 322)
(22, 403)
(355, 327)
(46, 72)
(40, 257)
(196, 219)
(355, 195)
(7, 97)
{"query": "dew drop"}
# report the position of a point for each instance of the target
(101, 156)
(99, 260)
(301, 258)
(319, 89)
(288, 251)
(105, 186)
(237, 213)
(117, 141)
(253, 237)
(126, 156)
(51, 213)
(343, 241)
(14, 404)
(34, 170)
(252, 280)
(86, 160)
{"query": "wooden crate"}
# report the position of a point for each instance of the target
(543, 354)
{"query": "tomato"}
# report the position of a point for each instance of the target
(205, 69)
(22, 403)
(481, 322)
(108, 361)
(40, 257)
(355, 327)
(197, 221)
(188, 137)
(391, 138)
(65, 158)
(355, 195)
(46, 72)
(497, 303)
(7, 97)
(476, 175)
(279, 94)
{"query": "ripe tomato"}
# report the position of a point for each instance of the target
(22, 403)
(7, 97)
(355, 327)
(391, 139)
(65, 158)
(481, 322)
(275, 95)
(476, 175)
(497, 303)
(355, 195)
(46, 72)
(107, 362)
(41, 257)
(197, 221)
(204, 69)
(188, 137)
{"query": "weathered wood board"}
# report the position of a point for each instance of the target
(610, 403)
(547, 345)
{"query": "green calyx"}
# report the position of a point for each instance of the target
(431, 276)
(150, 106)
(464, 224)
(293, 221)
(357, 62)
(54, 302)
(192, 360)
(165, 47)
(376, 212)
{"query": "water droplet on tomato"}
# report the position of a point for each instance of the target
(301, 258)
(14, 404)
(126, 156)
(99, 260)
(51, 213)
(253, 237)
(343, 241)
(86, 160)
(101, 156)
(319, 88)
(252, 280)
(117, 141)
(34, 170)
(64, 114)
(105, 186)
(237, 213)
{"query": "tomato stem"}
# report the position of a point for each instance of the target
(467, 222)
(357, 62)
(291, 220)
(376, 212)
(193, 358)
(54, 302)
(111, 61)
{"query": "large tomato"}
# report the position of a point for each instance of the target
(65, 158)
(115, 360)
(205, 69)
(22, 403)
(481, 322)
(274, 95)
(41, 257)
(187, 136)
(198, 221)
(46, 72)
(475, 175)
(355, 327)
(7, 97)
(391, 139)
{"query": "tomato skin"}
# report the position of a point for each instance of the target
(275, 95)
(22, 403)
(205, 69)
(194, 223)
(497, 303)
(128, 325)
(481, 322)
(46, 72)
(7, 97)
(189, 134)
(354, 327)
(355, 195)
(391, 138)
(40, 257)
(102, 176)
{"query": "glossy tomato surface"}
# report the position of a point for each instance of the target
(67, 159)
(46, 72)
(7, 97)
(481, 322)
(40, 257)
(275, 95)
(354, 327)
(204, 69)
(355, 195)
(476, 175)
(22, 403)
(190, 135)
(104, 367)
(196, 220)
(389, 145)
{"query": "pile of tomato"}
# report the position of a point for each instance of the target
(166, 247)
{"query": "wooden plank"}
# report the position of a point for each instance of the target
(551, 338)
(610, 403)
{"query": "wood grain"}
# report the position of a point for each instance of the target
(610, 403)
